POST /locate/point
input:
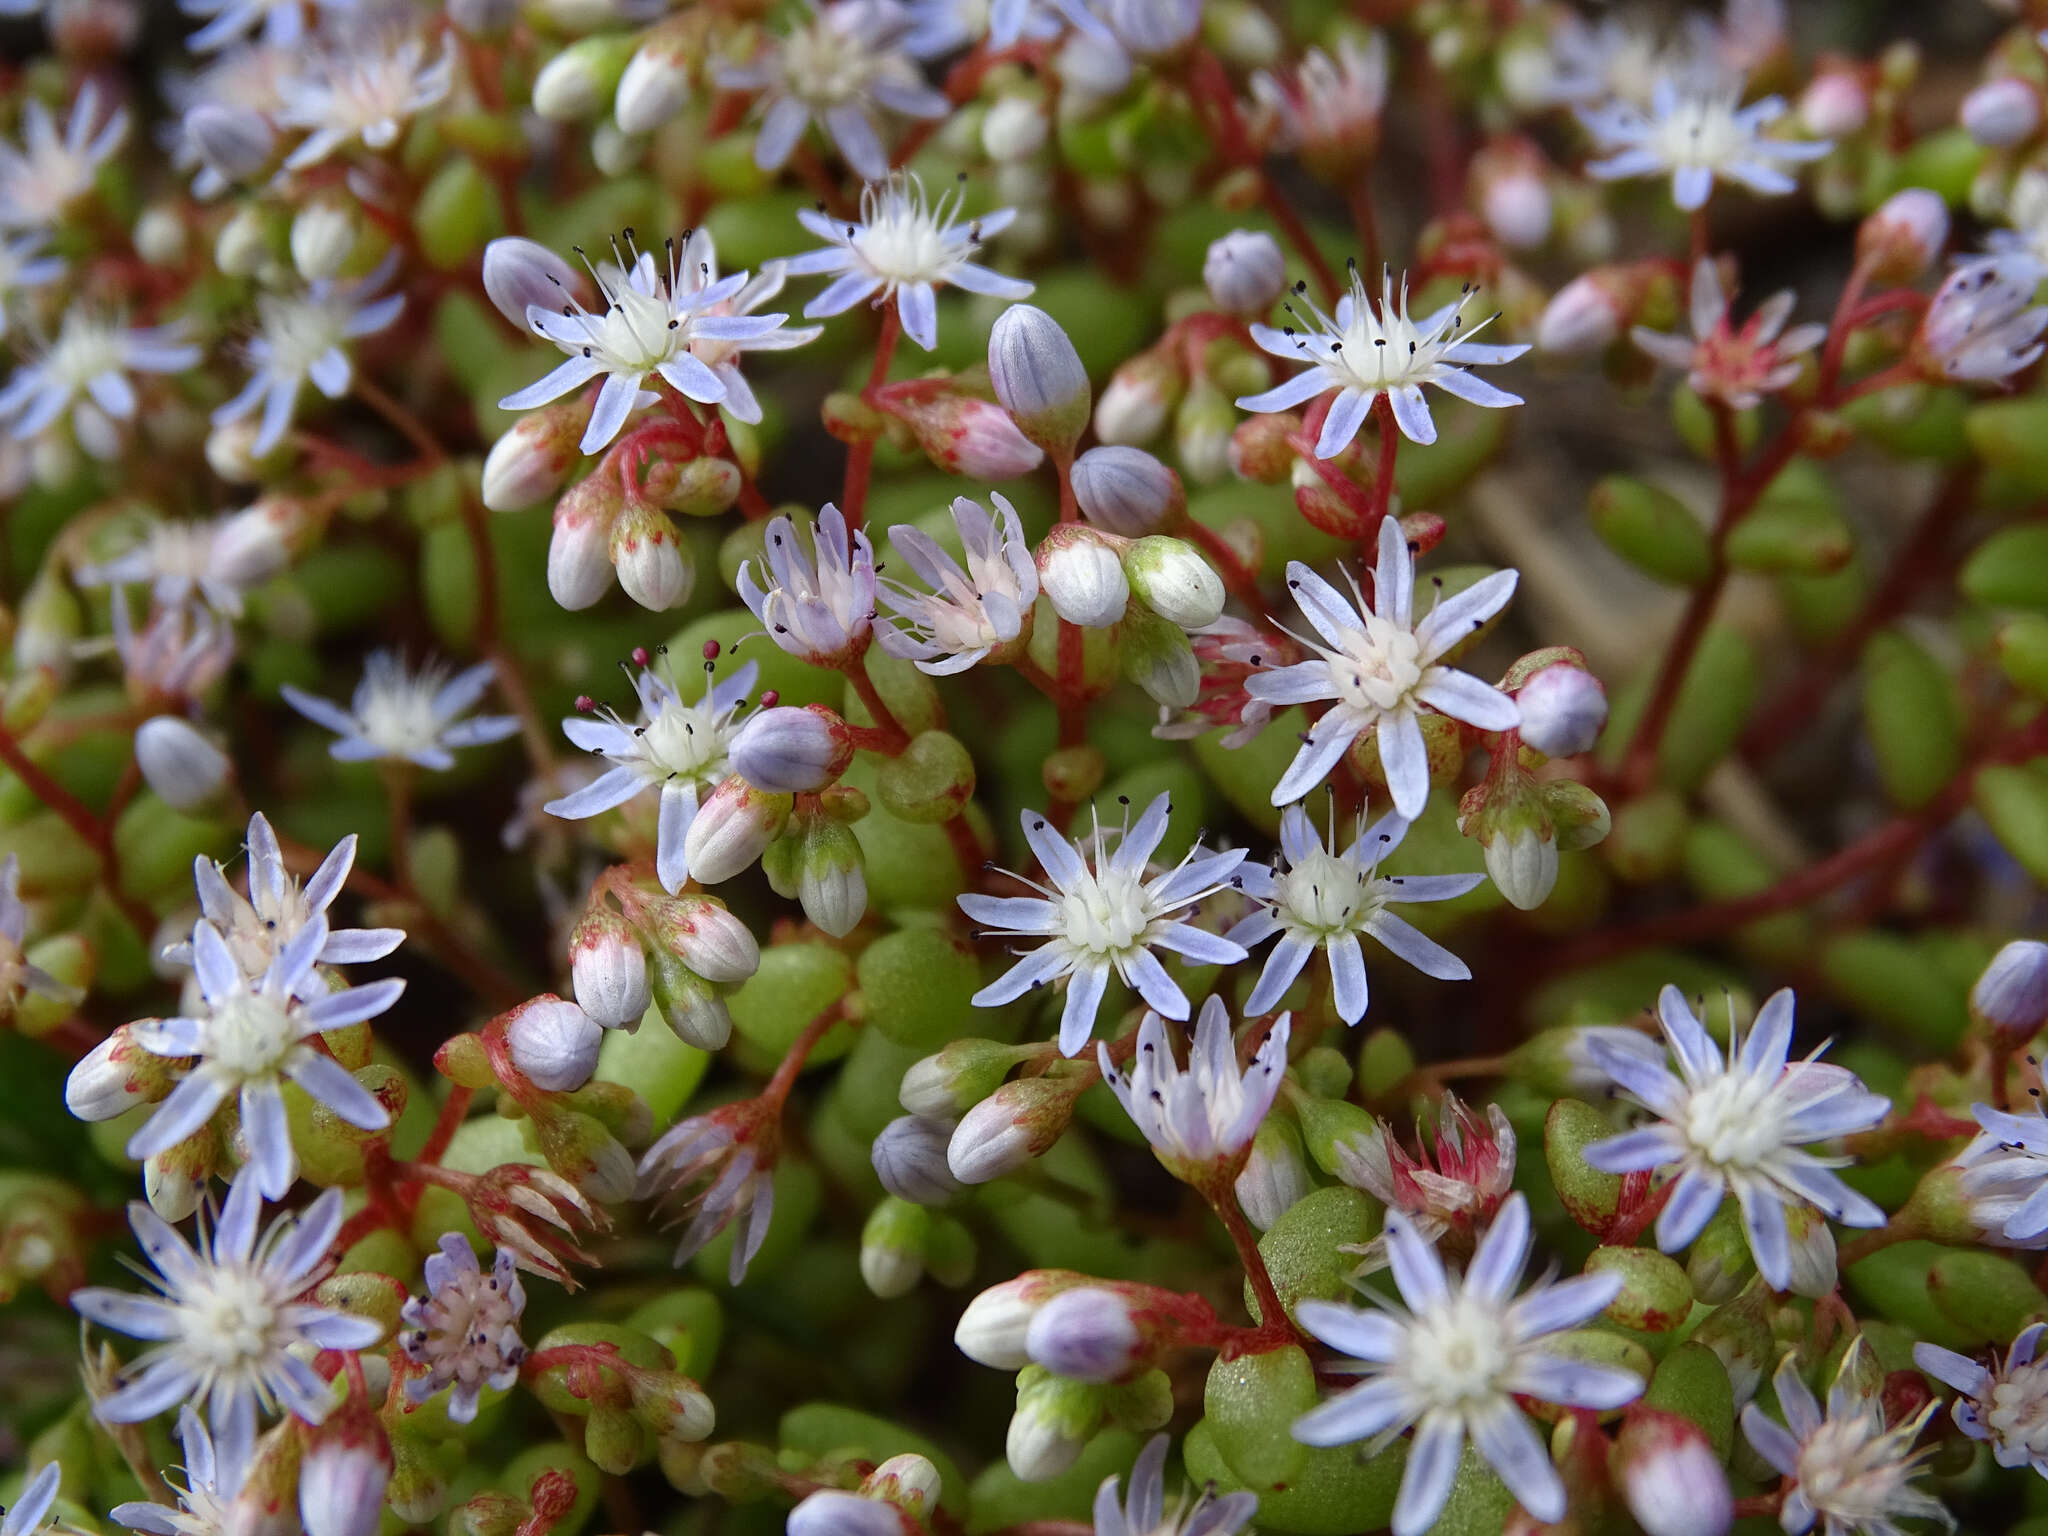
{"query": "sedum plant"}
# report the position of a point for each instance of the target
(1102, 508)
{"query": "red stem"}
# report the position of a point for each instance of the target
(860, 458)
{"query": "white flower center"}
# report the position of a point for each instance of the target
(229, 1328)
(684, 741)
(1380, 667)
(299, 332)
(1725, 1120)
(637, 334)
(1849, 1472)
(84, 349)
(824, 67)
(49, 179)
(904, 243)
(1456, 1353)
(372, 97)
(1325, 894)
(249, 1036)
(1105, 913)
(1700, 131)
(2017, 1414)
(398, 715)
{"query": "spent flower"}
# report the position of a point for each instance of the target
(462, 1333)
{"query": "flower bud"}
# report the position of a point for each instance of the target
(608, 970)
(1138, 399)
(519, 272)
(1171, 577)
(1275, 1174)
(1670, 1476)
(792, 751)
(1009, 1128)
(731, 829)
(1127, 491)
(693, 1011)
(265, 1504)
(946, 1085)
(1245, 273)
(966, 436)
(892, 1247)
(2011, 997)
(579, 550)
(234, 142)
(179, 763)
(908, 1481)
(116, 1075)
(574, 85)
(832, 880)
(1156, 654)
(909, 1157)
(1082, 577)
(161, 238)
(343, 1473)
(553, 1043)
(529, 463)
(1201, 432)
(649, 558)
(1902, 239)
(992, 1330)
(242, 248)
(1085, 1334)
(2001, 113)
(1015, 127)
(1563, 709)
(1517, 208)
(711, 941)
(1582, 317)
(655, 85)
(1834, 105)
(1522, 862)
(1054, 1419)
(323, 235)
(1037, 375)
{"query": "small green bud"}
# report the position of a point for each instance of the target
(1171, 577)
(1157, 655)
(893, 1244)
(1590, 1197)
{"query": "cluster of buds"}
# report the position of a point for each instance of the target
(636, 947)
(625, 1386)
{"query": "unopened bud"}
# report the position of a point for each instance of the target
(909, 1157)
(343, 1474)
(1127, 491)
(2012, 995)
(1583, 316)
(1009, 1128)
(2001, 113)
(1902, 239)
(792, 751)
(831, 871)
(648, 555)
(1171, 577)
(946, 1085)
(992, 1330)
(1037, 375)
(731, 829)
(1082, 577)
(1835, 105)
(184, 768)
(242, 248)
(1523, 864)
(1156, 654)
(1275, 1174)
(655, 85)
(1517, 209)
(966, 436)
(575, 84)
(689, 1005)
(1670, 1476)
(710, 940)
(323, 235)
(529, 463)
(1245, 273)
(234, 142)
(1261, 448)
(1055, 1418)
(1564, 708)
(1139, 397)
(1015, 127)
(266, 1504)
(116, 1075)
(1085, 1334)
(161, 237)
(554, 1043)
(892, 1244)
(608, 970)
(519, 272)
(1201, 432)
(579, 550)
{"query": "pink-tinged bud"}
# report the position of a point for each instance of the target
(1835, 105)
(792, 751)
(1037, 375)
(519, 272)
(1082, 577)
(234, 142)
(1670, 1476)
(2011, 996)
(1563, 710)
(1517, 209)
(711, 941)
(528, 464)
(648, 556)
(608, 970)
(1904, 236)
(832, 875)
(580, 550)
(254, 544)
(835, 1512)
(1172, 578)
(554, 1043)
(180, 764)
(1583, 316)
(655, 85)
(909, 1157)
(1260, 449)
(116, 1075)
(993, 1329)
(1009, 1128)
(2001, 113)
(1127, 491)
(1140, 396)
(966, 436)
(1245, 273)
(266, 1504)
(732, 828)
(343, 1474)
(1085, 1334)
